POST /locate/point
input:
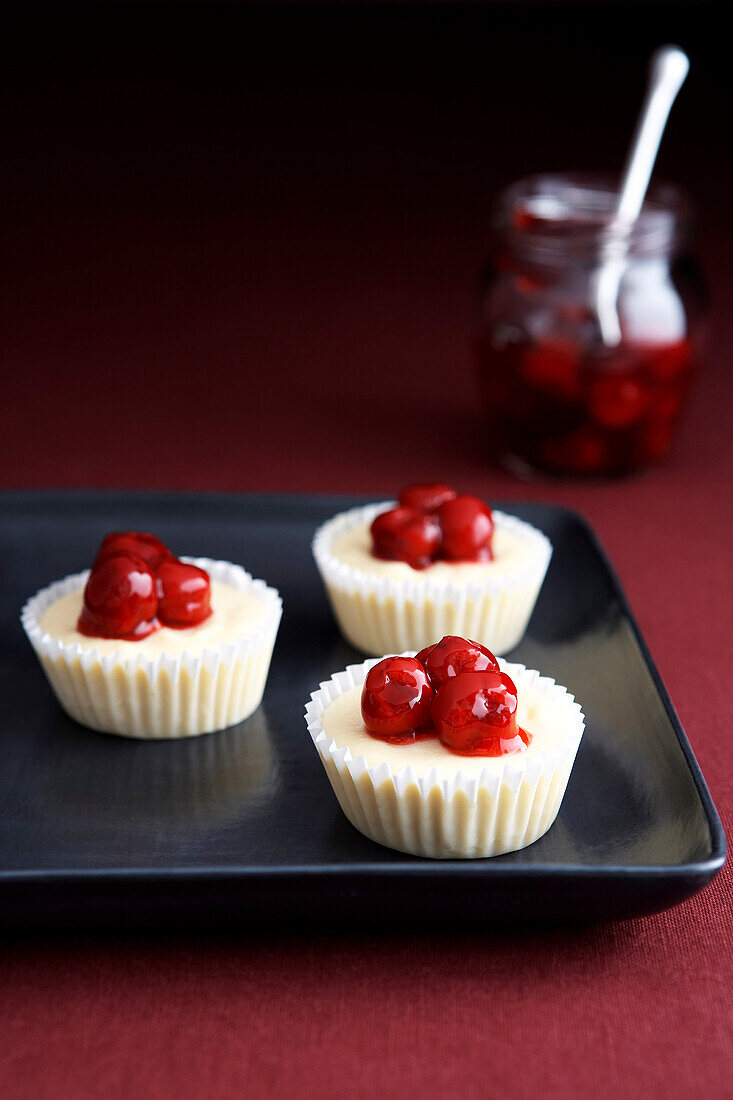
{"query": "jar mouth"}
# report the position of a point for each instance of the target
(573, 215)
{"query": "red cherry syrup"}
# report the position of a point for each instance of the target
(566, 410)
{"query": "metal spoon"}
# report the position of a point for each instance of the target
(668, 69)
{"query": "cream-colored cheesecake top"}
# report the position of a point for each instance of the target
(236, 614)
(549, 719)
(511, 552)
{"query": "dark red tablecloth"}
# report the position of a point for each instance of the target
(209, 287)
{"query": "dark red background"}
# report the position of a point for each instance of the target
(239, 251)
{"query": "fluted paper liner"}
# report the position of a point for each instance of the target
(452, 816)
(378, 614)
(134, 695)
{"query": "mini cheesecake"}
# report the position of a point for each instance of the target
(396, 579)
(154, 646)
(415, 794)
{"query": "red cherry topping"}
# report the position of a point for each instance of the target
(402, 534)
(467, 526)
(120, 599)
(475, 714)
(146, 546)
(396, 698)
(423, 655)
(184, 593)
(452, 655)
(426, 498)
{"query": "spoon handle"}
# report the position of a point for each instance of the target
(668, 69)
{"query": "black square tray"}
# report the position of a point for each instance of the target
(242, 825)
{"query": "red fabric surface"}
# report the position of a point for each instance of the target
(186, 313)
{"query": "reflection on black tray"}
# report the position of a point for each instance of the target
(163, 789)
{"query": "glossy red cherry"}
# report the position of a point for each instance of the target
(475, 714)
(423, 655)
(453, 655)
(618, 400)
(120, 599)
(467, 527)
(184, 593)
(145, 545)
(426, 498)
(553, 365)
(402, 534)
(396, 698)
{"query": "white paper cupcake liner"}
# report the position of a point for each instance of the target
(378, 614)
(134, 695)
(456, 815)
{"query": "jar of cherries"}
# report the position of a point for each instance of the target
(560, 394)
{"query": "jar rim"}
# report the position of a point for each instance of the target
(572, 215)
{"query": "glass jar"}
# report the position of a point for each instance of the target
(564, 392)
